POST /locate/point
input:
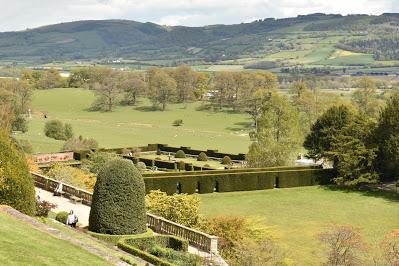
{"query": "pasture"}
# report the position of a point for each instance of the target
(295, 216)
(129, 126)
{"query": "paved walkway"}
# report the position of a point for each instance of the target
(64, 204)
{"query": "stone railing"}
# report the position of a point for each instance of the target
(50, 184)
(196, 238)
(160, 225)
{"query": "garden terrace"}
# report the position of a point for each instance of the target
(160, 225)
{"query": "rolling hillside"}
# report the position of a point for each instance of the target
(312, 40)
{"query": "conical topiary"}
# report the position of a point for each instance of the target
(118, 204)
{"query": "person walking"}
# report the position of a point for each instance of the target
(72, 219)
(58, 189)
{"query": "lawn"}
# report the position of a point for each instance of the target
(20, 244)
(128, 126)
(296, 215)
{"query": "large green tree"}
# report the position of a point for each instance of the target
(387, 138)
(16, 183)
(161, 87)
(277, 137)
(319, 141)
(256, 90)
(365, 97)
(108, 93)
(133, 85)
(353, 153)
(15, 96)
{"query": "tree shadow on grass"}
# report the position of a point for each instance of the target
(241, 126)
(377, 193)
(148, 108)
(215, 109)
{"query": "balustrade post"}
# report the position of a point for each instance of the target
(214, 244)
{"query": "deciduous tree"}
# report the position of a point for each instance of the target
(162, 87)
(277, 137)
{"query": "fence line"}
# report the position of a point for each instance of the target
(160, 225)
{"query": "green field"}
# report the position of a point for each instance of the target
(296, 215)
(20, 244)
(129, 126)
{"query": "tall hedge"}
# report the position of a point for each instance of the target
(118, 205)
(16, 184)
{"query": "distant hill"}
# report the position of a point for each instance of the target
(99, 39)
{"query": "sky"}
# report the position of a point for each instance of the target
(22, 14)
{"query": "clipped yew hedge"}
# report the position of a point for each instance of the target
(202, 157)
(118, 204)
(180, 154)
(139, 245)
(237, 181)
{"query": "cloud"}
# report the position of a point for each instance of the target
(19, 14)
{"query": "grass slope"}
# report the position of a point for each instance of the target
(20, 244)
(128, 126)
(297, 215)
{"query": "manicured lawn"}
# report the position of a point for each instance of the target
(20, 244)
(128, 126)
(296, 215)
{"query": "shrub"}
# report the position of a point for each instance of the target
(226, 160)
(181, 165)
(76, 144)
(141, 166)
(62, 217)
(118, 204)
(72, 176)
(16, 183)
(179, 208)
(390, 247)
(68, 132)
(202, 157)
(234, 231)
(344, 245)
(264, 252)
(177, 123)
(55, 129)
(180, 154)
(98, 159)
(25, 146)
(176, 257)
(44, 207)
(20, 124)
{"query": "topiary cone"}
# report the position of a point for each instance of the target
(118, 204)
